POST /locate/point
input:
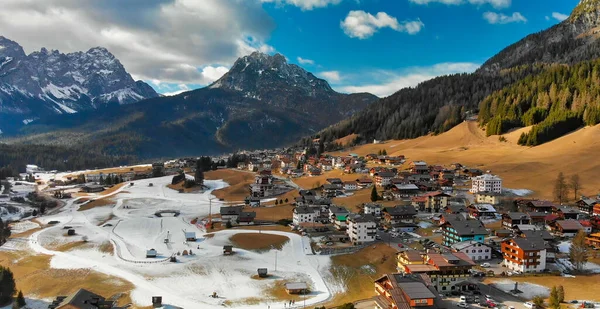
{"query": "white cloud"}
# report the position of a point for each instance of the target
(181, 88)
(171, 41)
(390, 82)
(305, 61)
(331, 76)
(305, 5)
(499, 18)
(498, 4)
(211, 74)
(559, 16)
(362, 25)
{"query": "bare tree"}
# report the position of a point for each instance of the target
(579, 251)
(561, 189)
(575, 185)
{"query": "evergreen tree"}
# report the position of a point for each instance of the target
(374, 196)
(7, 286)
(553, 300)
(20, 300)
(199, 175)
(561, 294)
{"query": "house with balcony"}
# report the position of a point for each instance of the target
(383, 179)
(397, 291)
(436, 201)
(512, 219)
(453, 270)
(457, 230)
(399, 214)
(566, 213)
(568, 228)
(419, 167)
(409, 257)
(482, 211)
(262, 186)
(488, 197)
(305, 214)
(361, 229)
(524, 254)
(593, 240)
(586, 204)
(475, 250)
(372, 209)
(540, 206)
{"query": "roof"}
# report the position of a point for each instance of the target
(543, 234)
(419, 163)
(386, 174)
(487, 177)
(247, 215)
(190, 234)
(443, 260)
(363, 218)
(517, 215)
(409, 186)
(435, 193)
(372, 205)
(488, 193)
(296, 286)
(541, 203)
(305, 210)
(416, 290)
(401, 211)
(467, 227)
(569, 224)
(412, 255)
(83, 299)
(485, 208)
(465, 244)
(231, 210)
(530, 244)
(567, 210)
(420, 268)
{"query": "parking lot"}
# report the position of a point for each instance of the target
(498, 297)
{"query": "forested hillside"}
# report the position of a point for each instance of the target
(558, 100)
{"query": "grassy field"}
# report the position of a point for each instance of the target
(533, 168)
(238, 184)
(359, 197)
(36, 279)
(356, 272)
(307, 182)
(579, 288)
(106, 201)
(273, 213)
(258, 241)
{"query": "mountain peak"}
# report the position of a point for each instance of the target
(586, 12)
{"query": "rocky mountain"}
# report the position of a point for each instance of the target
(49, 82)
(502, 88)
(262, 102)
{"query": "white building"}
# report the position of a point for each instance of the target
(305, 215)
(474, 249)
(32, 169)
(361, 229)
(486, 183)
(372, 209)
(350, 185)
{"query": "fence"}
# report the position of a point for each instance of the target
(348, 250)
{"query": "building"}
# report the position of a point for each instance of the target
(593, 240)
(436, 201)
(447, 271)
(566, 213)
(397, 291)
(246, 218)
(262, 186)
(475, 250)
(92, 188)
(482, 211)
(457, 230)
(305, 214)
(190, 236)
(399, 214)
(524, 254)
(568, 228)
(540, 206)
(511, 219)
(419, 167)
(230, 213)
(487, 197)
(586, 204)
(83, 299)
(361, 229)
(350, 185)
(32, 169)
(383, 179)
(296, 288)
(486, 183)
(372, 209)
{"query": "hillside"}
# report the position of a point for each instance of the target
(533, 168)
(522, 68)
(260, 95)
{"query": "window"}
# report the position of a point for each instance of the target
(479, 250)
(487, 250)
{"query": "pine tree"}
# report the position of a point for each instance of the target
(20, 300)
(553, 300)
(7, 286)
(561, 294)
(199, 175)
(374, 196)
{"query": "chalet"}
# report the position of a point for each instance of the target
(509, 220)
(472, 172)
(350, 185)
(586, 204)
(488, 197)
(540, 206)
(304, 214)
(565, 212)
(246, 218)
(364, 183)
(543, 234)
(372, 209)
(419, 167)
(482, 211)
(458, 230)
(230, 213)
(383, 179)
(568, 228)
(406, 190)
(593, 240)
(419, 202)
(399, 214)
(330, 190)
(409, 257)
(452, 270)
(296, 288)
(475, 250)
(313, 171)
(455, 209)
(335, 181)
(537, 218)
(524, 254)
(406, 292)
(587, 226)
(435, 201)
(83, 299)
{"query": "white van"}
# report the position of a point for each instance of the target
(463, 299)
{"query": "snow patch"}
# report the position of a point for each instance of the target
(518, 192)
(66, 108)
(529, 290)
(28, 121)
(72, 92)
(5, 61)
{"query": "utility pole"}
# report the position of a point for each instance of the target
(210, 212)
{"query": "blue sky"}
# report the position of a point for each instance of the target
(379, 46)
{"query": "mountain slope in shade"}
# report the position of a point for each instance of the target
(262, 102)
(48, 82)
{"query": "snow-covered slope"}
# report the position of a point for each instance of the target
(49, 82)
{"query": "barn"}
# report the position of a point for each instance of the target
(296, 288)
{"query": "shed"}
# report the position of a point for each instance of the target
(190, 236)
(263, 273)
(151, 253)
(296, 287)
(71, 232)
(227, 250)
(157, 301)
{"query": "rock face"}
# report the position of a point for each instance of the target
(49, 82)
(573, 40)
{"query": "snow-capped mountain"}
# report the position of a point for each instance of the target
(49, 82)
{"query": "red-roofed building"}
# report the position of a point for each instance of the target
(587, 226)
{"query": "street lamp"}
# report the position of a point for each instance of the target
(273, 247)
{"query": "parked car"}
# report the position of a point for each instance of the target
(529, 305)
(486, 265)
(463, 299)
(463, 305)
